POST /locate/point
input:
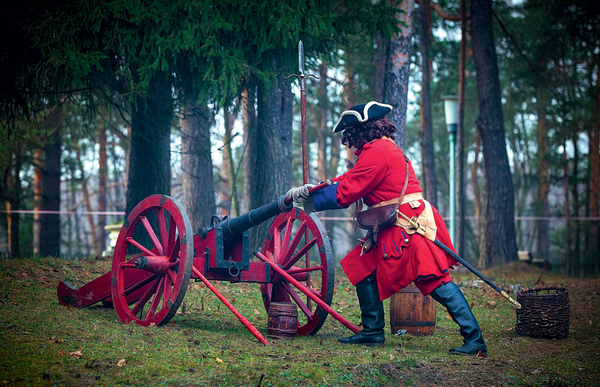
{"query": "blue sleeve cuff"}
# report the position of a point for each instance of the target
(326, 198)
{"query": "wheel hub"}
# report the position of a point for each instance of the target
(158, 264)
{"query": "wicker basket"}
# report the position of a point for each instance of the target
(545, 313)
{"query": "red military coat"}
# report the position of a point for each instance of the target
(379, 175)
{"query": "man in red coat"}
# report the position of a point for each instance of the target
(392, 257)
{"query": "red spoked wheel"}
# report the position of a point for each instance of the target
(149, 288)
(299, 244)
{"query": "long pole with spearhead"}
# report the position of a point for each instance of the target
(302, 76)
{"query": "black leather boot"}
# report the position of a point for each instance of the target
(372, 317)
(453, 299)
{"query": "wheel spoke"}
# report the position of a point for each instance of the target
(280, 294)
(152, 235)
(289, 226)
(162, 228)
(140, 304)
(144, 250)
(307, 265)
(156, 299)
(175, 252)
(303, 307)
(167, 291)
(138, 285)
(295, 242)
(269, 291)
(313, 291)
(172, 276)
(277, 246)
(304, 250)
(270, 256)
(304, 270)
(172, 235)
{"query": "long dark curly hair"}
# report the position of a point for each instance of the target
(359, 135)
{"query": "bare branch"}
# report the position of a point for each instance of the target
(443, 13)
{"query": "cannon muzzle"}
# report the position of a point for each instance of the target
(235, 226)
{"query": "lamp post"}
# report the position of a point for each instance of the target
(451, 113)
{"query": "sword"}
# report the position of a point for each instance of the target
(474, 271)
(302, 77)
(414, 224)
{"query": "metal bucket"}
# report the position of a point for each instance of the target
(283, 321)
(410, 310)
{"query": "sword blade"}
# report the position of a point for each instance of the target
(301, 57)
(474, 271)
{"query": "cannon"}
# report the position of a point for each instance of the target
(147, 287)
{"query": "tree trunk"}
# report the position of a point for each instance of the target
(484, 259)
(322, 109)
(501, 243)
(75, 235)
(50, 223)
(568, 261)
(593, 245)
(542, 139)
(477, 196)
(196, 163)
(86, 199)
(127, 163)
(229, 167)
(379, 59)
(427, 156)
(334, 156)
(460, 136)
(249, 123)
(573, 180)
(38, 176)
(150, 153)
(349, 99)
(272, 152)
(14, 202)
(102, 187)
(397, 70)
(323, 172)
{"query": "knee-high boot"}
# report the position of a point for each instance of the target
(452, 298)
(372, 315)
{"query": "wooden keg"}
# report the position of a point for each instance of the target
(412, 311)
(283, 320)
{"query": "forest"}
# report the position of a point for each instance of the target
(104, 103)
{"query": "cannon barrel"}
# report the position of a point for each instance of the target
(235, 226)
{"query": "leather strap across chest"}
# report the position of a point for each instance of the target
(400, 199)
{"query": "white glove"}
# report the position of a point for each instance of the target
(299, 194)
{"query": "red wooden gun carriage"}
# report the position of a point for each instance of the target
(147, 287)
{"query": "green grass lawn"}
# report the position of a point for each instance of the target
(44, 343)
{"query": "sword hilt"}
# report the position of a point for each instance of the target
(509, 298)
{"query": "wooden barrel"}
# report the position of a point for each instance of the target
(283, 321)
(412, 311)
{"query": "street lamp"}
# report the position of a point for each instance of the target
(451, 113)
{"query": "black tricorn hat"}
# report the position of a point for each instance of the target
(360, 114)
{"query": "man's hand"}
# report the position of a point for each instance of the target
(300, 194)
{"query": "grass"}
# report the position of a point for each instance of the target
(43, 343)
